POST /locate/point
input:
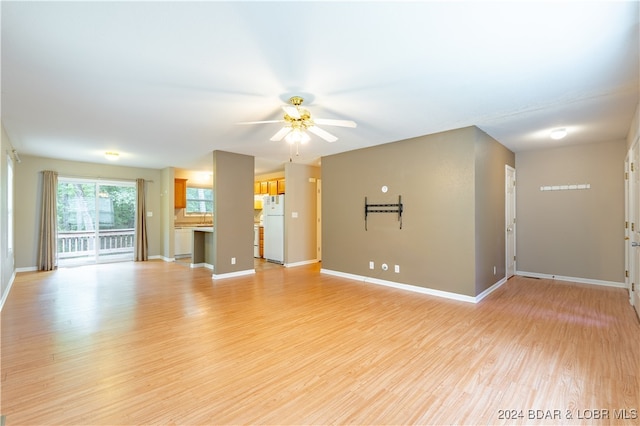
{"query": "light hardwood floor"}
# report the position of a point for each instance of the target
(160, 343)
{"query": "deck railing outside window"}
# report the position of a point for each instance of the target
(78, 244)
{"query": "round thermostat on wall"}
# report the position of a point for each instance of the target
(384, 188)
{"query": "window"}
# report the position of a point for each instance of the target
(96, 221)
(199, 200)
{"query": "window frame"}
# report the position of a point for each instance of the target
(208, 204)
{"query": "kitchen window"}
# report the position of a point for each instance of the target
(199, 200)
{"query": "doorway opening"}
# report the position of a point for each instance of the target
(96, 221)
(510, 221)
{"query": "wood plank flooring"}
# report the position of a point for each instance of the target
(160, 343)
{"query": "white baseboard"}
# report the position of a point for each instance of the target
(572, 279)
(201, 265)
(304, 262)
(233, 274)
(491, 289)
(27, 269)
(7, 290)
(417, 289)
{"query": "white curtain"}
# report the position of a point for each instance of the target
(142, 246)
(48, 256)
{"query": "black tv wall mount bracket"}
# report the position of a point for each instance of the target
(383, 208)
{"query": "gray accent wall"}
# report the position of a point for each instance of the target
(490, 223)
(166, 217)
(233, 212)
(300, 201)
(572, 233)
(452, 188)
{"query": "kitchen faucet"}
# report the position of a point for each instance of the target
(204, 217)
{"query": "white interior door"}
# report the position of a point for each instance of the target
(510, 221)
(633, 226)
(319, 219)
(627, 220)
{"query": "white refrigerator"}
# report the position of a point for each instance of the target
(273, 213)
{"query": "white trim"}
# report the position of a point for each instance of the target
(304, 262)
(201, 265)
(491, 289)
(572, 279)
(6, 293)
(233, 274)
(155, 257)
(417, 289)
(507, 169)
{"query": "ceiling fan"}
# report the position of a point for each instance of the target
(298, 119)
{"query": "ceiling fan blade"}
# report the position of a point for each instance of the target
(341, 123)
(280, 134)
(291, 111)
(261, 122)
(322, 133)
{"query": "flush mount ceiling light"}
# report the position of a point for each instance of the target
(112, 156)
(558, 134)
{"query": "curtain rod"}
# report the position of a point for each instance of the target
(64, 175)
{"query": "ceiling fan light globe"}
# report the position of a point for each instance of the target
(297, 136)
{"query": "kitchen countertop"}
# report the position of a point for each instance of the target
(203, 229)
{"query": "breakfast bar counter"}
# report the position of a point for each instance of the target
(202, 253)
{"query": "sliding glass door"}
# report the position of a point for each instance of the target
(96, 221)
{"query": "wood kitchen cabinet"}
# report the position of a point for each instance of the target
(273, 187)
(180, 201)
(261, 241)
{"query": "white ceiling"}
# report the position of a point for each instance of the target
(165, 83)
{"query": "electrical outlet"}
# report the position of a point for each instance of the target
(233, 260)
(495, 271)
(396, 269)
(372, 265)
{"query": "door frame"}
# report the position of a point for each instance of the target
(319, 219)
(628, 261)
(95, 258)
(632, 224)
(509, 228)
